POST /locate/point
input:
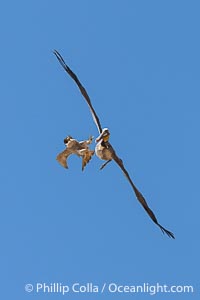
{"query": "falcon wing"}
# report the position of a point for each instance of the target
(140, 196)
(82, 89)
(62, 157)
(86, 158)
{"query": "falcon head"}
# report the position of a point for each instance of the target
(67, 139)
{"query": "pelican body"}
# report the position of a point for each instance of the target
(103, 148)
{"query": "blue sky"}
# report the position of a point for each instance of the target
(139, 61)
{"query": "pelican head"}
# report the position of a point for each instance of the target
(104, 135)
(67, 139)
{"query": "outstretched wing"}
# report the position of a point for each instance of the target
(82, 89)
(86, 158)
(140, 196)
(62, 157)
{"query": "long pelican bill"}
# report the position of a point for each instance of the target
(82, 89)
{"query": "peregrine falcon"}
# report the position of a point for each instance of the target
(81, 149)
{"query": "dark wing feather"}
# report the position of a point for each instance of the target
(82, 89)
(140, 196)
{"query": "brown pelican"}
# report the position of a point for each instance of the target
(74, 147)
(104, 149)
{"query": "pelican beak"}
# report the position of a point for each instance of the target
(98, 138)
(104, 135)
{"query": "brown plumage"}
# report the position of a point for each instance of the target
(81, 149)
(104, 149)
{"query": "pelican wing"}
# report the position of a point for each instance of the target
(140, 196)
(82, 89)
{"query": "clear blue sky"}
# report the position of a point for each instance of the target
(140, 63)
